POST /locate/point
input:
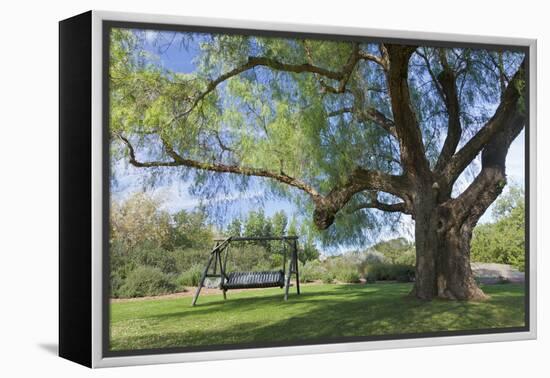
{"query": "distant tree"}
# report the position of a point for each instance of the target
(308, 250)
(394, 250)
(293, 227)
(507, 202)
(503, 241)
(235, 228)
(255, 224)
(279, 221)
(139, 219)
(191, 229)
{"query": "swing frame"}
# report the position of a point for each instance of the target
(218, 261)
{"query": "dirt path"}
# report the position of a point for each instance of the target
(493, 273)
(191, 291)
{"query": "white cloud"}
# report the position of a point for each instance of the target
(176, 197)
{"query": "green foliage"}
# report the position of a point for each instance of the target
(504, 240)
(312, 271)
(188, 257)
(390, 272)
(308, 249)
(151, 255)
(257, 225)
(235, 228)
(191, 229)
(145, 281)
(139, 219)
(343, 268)
(328, 277)
(507, 202)
(279, 220)
(146, 239)
(191, 276)
(397, 251)
(348, 275)
(253, 256)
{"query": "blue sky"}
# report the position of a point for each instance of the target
(175, 193)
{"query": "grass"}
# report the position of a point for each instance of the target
(320, 312)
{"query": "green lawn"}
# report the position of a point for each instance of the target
(322, 311)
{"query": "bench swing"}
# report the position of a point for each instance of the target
(215, 274)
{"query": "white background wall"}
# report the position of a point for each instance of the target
(28, 190)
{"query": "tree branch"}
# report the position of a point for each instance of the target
(178, 161)
(413, 153)
(267, 62)
(508, 109)
(471, 204)
(326, 207)
(369, 114)
(359, 180)
(447, 80)
(399, 207)
(376, 59)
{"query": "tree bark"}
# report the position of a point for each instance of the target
(442, 254)
(454, 277)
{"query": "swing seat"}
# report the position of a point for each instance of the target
(253, 280)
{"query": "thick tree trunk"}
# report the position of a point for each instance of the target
(455, 279)
(442, 254)
(426, 245)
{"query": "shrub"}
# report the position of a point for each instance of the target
(373, 257)
(247, 257)
(312, 271)
(116, 283)
(327, 277)
(155, 256)
(145, 281)
(406, 258)
(344, 268)
(347, 275)
(370, 278)
(276, 261)
(188, 257)
(392, 272)
(503, 241)
(190, 277)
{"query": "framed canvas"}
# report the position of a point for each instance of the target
(233, 189)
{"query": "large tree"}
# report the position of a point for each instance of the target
(349, 129)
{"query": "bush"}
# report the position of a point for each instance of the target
(312, 271)
(155, 256)
(373, 257)
(116, 283)
(190, 277)
(146, 281)
(344, 268)
(187, 257)
(370, 278)
(406, 258)
(390, 272)
(503, 241)
(328, 277)
(247, 257)
(348, 275)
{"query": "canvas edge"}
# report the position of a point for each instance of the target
(97, 192)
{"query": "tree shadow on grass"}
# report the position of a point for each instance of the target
(345, 311)
(244, 304)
